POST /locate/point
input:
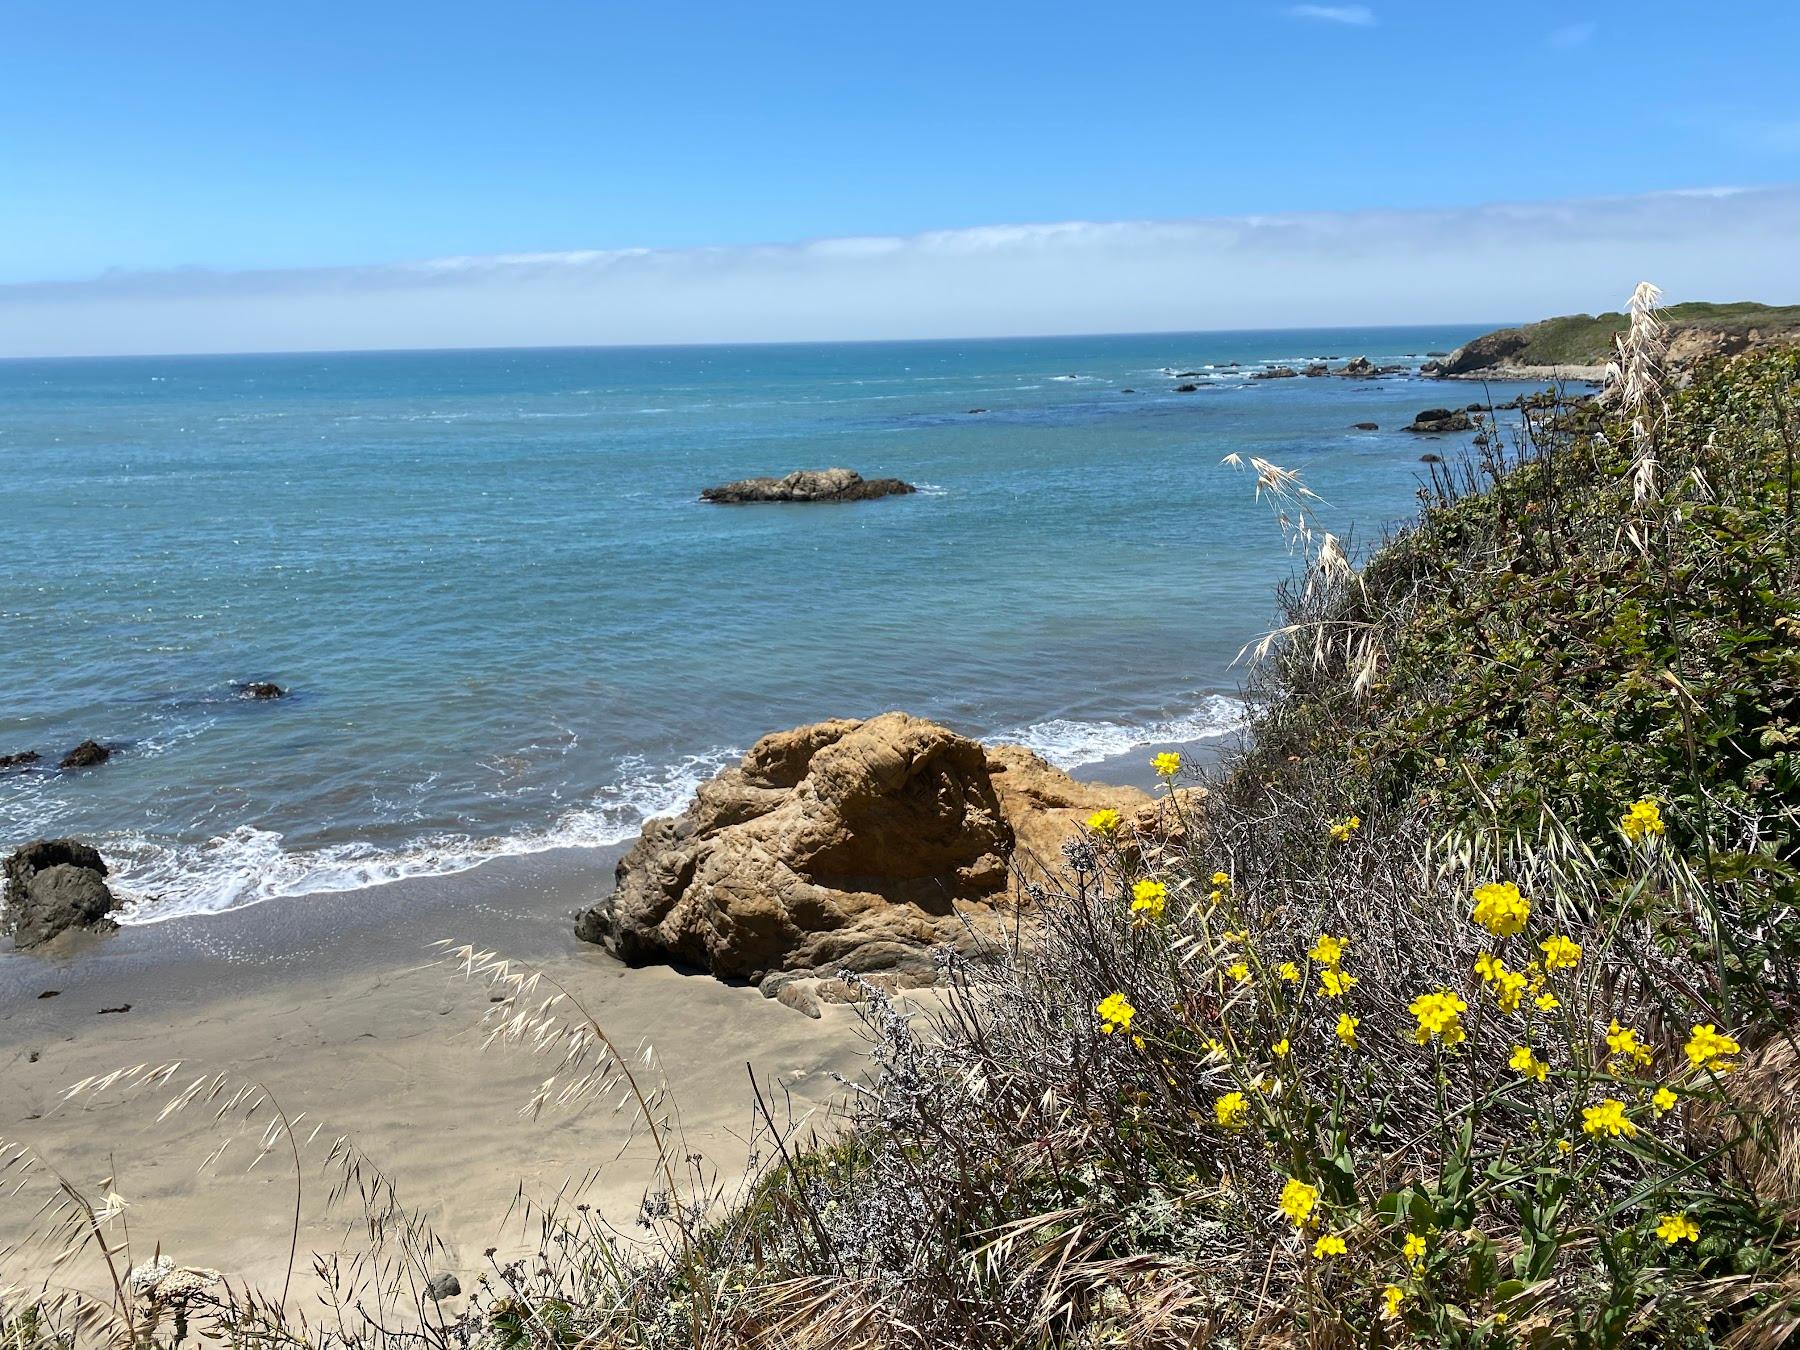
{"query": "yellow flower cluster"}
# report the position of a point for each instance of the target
(1231, 1110)
(1607, 1118)
(1500, 908)
(1439, 1015)
(1328, 1246)
(1115, 1013)
(1288, 971)
(1346, 1029)
(1663, 1099)
(1560, 953)
(1104, 821)
(1642, 820)
(1298, 1201)
(1167, 764)
(1624, 1043)
(1524, 1060)
(1341, 830)
(1708, 1047)
(1149, 898)
(1507, 985)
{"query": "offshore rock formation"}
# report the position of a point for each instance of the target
(808, 485)
(53, 885)
(86, 755)
(1439, 421)
(845, 845)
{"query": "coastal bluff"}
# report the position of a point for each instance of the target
(846, 844)
(808, 485)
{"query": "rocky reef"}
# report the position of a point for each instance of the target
(808, 485)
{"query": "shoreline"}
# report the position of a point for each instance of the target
(335, 1003)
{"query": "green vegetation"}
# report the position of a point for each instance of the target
(1587, 339)
(1457, 1010)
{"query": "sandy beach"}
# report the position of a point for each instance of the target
(334, 1003)
(340, 1006)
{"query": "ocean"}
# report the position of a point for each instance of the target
(508, 625)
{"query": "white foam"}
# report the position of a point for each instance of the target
(1068, 743)
(159, 881)
(931, 490)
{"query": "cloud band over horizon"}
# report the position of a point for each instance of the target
(1464, 264)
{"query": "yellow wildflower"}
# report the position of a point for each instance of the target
(1500, 908)
(1440, 1015)
(1341, 830)
(1564, 1146)
(1328, 950)
(1547, 1001)
(1220, 879)
(1707, 1048)
(1280, 1048)
(1673, 1228)
(1298, 1200)
(1149, 899)
(1231, 1110)
(1115, 1013)
(1346, 1029)
(1642, 820)
(1238, 971)
(1413, 1249)
(1214, 1046)
(1335, 984)
(1213, 897)
(1489, 967)
(1624, 1042)
(1509, 987)
(1560, 952)
(1663, 1100)
(1607, 1118)
(1167, 764)
(1288, 971)
(1527, 1063)
(1328, 1246)
(1235, 935)
(1103, 821)
(1391, 1298)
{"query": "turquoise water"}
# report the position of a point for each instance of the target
(508, 624)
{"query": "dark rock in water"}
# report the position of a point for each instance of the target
(1365, 426)
(1187, 388)
(1358, 368)
(1429, 458)
(23, 759)
(1477, 407)
(261, 689)
(85, 756)
(1438, 421)
(1316, 369)
(808, 485)
(976, 412)
(53, 885)
(1128, 391)
(1437, 353)
(1277, 373)
(441, 1286)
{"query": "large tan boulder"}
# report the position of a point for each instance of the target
(854, 845)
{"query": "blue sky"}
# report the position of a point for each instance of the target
(250, 136)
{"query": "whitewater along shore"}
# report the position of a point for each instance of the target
(338, 1005)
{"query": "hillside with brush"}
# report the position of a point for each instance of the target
(1578, 346)
(1455, 1010)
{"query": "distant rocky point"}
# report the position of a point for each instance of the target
(1578, 346)
(808, 485)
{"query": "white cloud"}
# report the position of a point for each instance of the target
(1462, 264)
(1573, 35)
(1357, 16)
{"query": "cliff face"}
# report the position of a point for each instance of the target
(1578, 346)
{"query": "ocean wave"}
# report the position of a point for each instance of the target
(159, 881)
(1069, 744)
(931, 490)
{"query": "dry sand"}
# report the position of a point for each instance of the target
(334, 1004)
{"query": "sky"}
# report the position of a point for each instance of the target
(207, 176)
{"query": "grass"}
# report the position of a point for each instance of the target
(1456, 1010)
